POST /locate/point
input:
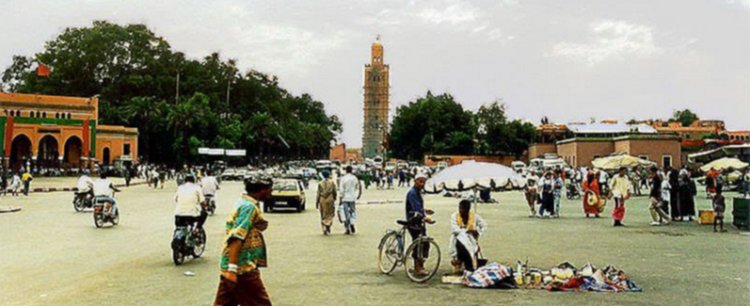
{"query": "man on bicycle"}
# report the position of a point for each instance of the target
(189, 201)
(103, 189)
(210, 185)
(415, 214)
(85, 183)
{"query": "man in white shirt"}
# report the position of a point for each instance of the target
(104, 189)
(210, 184)
(189, 203)
(85, 183)
(603, 182)
(351, 191)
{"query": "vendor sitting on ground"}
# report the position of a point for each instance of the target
(466, 227)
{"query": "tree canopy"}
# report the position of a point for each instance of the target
(136, 75)
(686, 117)
(437, 124)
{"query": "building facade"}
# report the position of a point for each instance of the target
(588, 141)
(376, 104)
(664, 150)
(60, 132)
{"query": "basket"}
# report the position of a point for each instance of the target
(705, 217)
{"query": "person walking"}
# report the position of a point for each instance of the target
(531, 193)
(325, 201)
(26, 179)
(719, 207)
(591, 195)
(620, 190)
(557, 185)
(4, 183)
(658, 215)
(687, 195)
(351, 191)
(15, 183)
(244, 250)
(546, 185)
(674, 193)
(127, 176)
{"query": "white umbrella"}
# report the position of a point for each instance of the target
(722, 164)
(471, 175)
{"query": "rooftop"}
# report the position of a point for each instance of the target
(611, 128)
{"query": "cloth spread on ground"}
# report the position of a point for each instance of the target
(564, 277)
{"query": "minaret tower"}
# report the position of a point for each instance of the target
(376, 104)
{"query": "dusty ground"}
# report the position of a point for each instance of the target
(51, 255)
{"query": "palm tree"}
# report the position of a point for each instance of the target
(185, 115)
(143, 112)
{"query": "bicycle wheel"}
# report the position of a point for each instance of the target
(199, 241)
(425, 252)
(388, 253)
(78, 204)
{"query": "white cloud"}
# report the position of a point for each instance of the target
(453, 14)
(611, 39)
(286, 49)
(744, 3)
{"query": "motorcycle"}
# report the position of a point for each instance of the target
(571, 192)
(82, 200)
(187, 241)
(210, 204)
(105, 211)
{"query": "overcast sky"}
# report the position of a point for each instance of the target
(568, 60)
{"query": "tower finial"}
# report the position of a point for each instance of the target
(377, 37)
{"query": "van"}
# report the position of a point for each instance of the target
(518, 165)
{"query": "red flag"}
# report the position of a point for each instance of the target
(42, 70)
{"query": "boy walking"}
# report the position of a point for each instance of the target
(719, 207)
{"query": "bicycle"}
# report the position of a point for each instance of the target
(187, 241)
(391, 252)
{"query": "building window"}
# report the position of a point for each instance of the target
(44, 115)
(666, 161)
(126, 149)
(643, 157)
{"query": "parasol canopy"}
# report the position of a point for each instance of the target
(471, 175)
(618, 161)
(722, 164)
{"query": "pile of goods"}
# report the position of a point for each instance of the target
(564, 277)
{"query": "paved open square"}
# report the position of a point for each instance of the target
(51, 255)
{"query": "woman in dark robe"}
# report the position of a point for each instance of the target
(674, 194)
(548, 197)
(687, 195)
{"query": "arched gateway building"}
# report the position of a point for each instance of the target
(60, 132)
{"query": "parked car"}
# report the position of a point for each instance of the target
(229, 175)
(287, 193)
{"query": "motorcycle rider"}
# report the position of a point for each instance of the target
(210, 185)
(103, 189)
(85, 184)
(189, 204)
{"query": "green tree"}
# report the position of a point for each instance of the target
(134, 72)
(686, 117)
(434, 124)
